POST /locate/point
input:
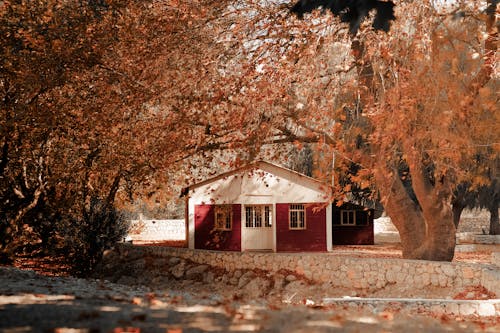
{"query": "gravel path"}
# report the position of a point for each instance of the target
(30, 302)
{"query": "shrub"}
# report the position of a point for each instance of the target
(99, 228)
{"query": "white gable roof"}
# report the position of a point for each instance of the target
(260, 182)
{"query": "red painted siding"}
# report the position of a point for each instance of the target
(353, 235)
(206, 237)
(313, 238)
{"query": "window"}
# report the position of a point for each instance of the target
(223, 217)
(297, 217)
(258, 216)
(363, 217)
(268, 221)
(348, 217)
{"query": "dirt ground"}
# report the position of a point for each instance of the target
(394, 251)
(39, 296)
(31, 302)
(375, 251)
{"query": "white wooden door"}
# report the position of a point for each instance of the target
(257, 231)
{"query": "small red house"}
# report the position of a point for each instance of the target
(260, 207)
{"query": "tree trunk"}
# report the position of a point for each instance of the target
(457, 212)
(4, 157)
(441, 235)
(404, 213)
(494, 220)
(434, 198)
(110, 199)
(427, 231)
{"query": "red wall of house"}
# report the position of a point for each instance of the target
(360, 234)
(313, 238)
(353, 235)
(206, 237)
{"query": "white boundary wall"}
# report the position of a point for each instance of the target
(158, 230)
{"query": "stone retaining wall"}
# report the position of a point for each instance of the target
(342, 271)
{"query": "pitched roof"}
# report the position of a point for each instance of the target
(265, 166)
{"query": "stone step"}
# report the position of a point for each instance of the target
(480, 308)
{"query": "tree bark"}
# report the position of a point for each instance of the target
(110, 199)
(491, 47)
(462, 198)
(404, 213)
(427, 231)
(434, 197)
(4, 157)
(440, 238)
(457, 212)
(494, 219)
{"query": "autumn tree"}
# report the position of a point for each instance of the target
(436, 122)
(41, 48)
(107, 102)
(99, 100)
(406, 106)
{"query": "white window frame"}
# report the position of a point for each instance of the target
(258, 216)
(297, 212)
(223, 217)
(351, 217)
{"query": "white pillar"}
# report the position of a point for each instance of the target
(191, 218)
(274, 227)
(329, 240)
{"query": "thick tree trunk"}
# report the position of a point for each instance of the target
(427, 231)
(434, 198)
(404, 213)
(441, 235)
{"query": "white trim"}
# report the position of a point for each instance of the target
(191, 218)
(274, 228)
(273, 169)
(329, 226)
(260, 183)
(265, 235)
(242, 229)
(223, 209)
(259, 210)
(350, 222)
(297, 210)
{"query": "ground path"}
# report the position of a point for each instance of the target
(30, 302)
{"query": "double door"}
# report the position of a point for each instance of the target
(257, 229)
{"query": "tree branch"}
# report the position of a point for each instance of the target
(490, 46)
(4, 157)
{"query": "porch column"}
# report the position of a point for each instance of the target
(329, 239)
